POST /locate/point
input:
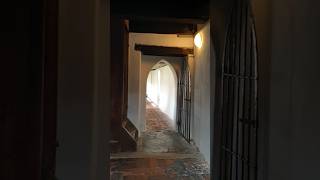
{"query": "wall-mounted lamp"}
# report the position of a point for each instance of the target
(198, 40)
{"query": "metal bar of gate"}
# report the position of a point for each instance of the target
(239, 97)
(184, 103)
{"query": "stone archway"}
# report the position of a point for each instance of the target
(147, 64)
(161, 88)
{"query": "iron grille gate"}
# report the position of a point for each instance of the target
(184, 103)
(239, 97)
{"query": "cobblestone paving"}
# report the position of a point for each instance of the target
(162, 169)
(164, 141)
(161, 140)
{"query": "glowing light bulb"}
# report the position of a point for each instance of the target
(198, 40)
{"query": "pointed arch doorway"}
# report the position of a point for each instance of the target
(161, 93)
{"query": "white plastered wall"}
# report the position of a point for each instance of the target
(136, 87)
(83, 90)
(162, 90)
(201, 94)
(147, 63)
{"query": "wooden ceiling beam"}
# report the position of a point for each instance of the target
(153, 19)
(163, 51)
(162, 28)
(162, 8)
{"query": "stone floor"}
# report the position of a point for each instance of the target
(155, 119)
(162, 154)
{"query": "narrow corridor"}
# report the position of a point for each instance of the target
(162, 154)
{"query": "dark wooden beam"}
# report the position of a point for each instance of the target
(193, 20)
(162, 8)
(162, 16)
(162, 27)
(163, 51)
(118, 66)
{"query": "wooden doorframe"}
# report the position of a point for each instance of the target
(28, 100)
(49, 88)
(218, 18)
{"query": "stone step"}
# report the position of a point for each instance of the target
(115, 146)
(132, 155)
(128, 125)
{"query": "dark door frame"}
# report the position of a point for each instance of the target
(49, 88)
(28, 103)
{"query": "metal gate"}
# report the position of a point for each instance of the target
(239, 97)
(184, 103)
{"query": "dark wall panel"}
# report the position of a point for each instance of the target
(21, 82)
